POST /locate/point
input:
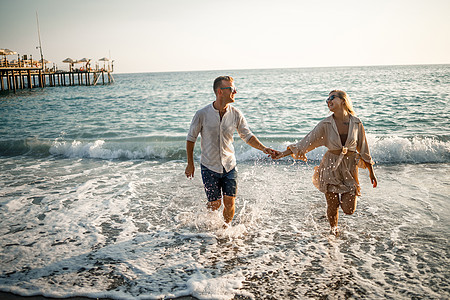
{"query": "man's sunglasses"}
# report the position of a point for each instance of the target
(231, 88)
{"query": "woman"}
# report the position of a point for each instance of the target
(337, 175)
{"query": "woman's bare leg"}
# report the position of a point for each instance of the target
(332, 208)
(348, 203)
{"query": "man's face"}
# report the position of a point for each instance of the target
(228, 91)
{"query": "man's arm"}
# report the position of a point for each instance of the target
(190, 158)
(255, 143)
(244, 133)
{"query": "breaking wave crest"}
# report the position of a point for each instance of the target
(385, 150)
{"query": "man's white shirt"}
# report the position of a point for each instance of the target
(217, 150)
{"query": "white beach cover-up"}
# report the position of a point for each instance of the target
(336, 173)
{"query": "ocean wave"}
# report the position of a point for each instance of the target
(385, 150)
(409, 150)
(133, 150)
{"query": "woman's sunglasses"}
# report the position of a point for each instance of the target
(331, 98)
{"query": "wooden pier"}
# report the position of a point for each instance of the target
(16, 78)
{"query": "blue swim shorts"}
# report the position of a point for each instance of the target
(215, 183)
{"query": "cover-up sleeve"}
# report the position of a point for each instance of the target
(315, 138)
(195, 128)
(363, 147)
(242, 127)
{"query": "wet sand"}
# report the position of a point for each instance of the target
(10, 296)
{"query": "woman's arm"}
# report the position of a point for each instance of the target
(363, 148)
(372, 176)
(314, 139)
(285, 153)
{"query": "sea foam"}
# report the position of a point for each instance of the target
(384, 149)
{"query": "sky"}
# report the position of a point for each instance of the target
(177, 35)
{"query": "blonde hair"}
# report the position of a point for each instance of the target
(347, 101)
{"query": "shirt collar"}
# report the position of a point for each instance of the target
(217, 111)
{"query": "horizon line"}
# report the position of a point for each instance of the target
(278, 68)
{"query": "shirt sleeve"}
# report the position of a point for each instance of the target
(195, 128)
(242, 127)
(314, 139)
(362, 146)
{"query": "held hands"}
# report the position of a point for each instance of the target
(287, 152)
(275, 154)
(271, 152)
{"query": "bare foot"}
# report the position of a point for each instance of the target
(335, 231)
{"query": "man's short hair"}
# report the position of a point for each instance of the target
(218, 81)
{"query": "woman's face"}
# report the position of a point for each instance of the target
(334, 102)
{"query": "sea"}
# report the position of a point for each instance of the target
(94, 201)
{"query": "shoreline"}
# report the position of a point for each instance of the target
(12, 296)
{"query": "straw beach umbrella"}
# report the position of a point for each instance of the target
(84, 60)
(70, 62)
(7, 52)
(104, 60)
(4, 52)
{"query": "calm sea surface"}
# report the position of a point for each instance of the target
(94, 201)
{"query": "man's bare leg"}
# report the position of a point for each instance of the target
(228, 211)
(214, 205)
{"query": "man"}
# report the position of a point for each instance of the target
(217, 123)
